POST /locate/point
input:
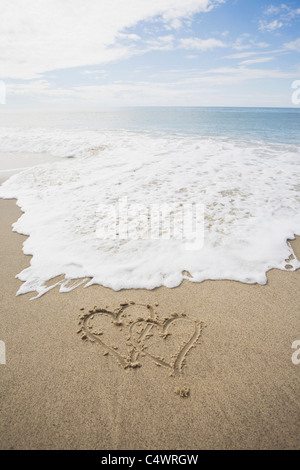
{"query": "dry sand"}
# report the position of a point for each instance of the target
(233, 347)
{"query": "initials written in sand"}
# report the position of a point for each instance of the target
(134, 332)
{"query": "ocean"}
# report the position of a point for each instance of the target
(239, 167)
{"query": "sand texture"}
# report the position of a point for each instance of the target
(201, 366)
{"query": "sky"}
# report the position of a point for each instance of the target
(92, 53)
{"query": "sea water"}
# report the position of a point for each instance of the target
(241, 165)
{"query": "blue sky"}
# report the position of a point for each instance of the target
(84, 53)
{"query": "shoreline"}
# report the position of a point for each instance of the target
(12, 163)
(60, 391)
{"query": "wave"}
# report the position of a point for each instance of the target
(249, 192)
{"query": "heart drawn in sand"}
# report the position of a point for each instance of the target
(134, 331)
(166, 343)
(111, 330)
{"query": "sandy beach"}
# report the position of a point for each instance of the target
(150, 227)
(113, 378)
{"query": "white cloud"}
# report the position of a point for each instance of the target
(239, 44)
(259, 60)
(241, 55)
(285, 14)
(261, 44)
(272, 9)
(163, 43)
(293, 45)
(271, 26)
(247, 54)
(36, 87)
(174, 24)
(201, 44)
(128, 37)
(168, 42)
(94, 72)
(39, 36)
(240, 74)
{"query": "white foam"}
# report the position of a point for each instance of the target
(250, 192)
(57, 142)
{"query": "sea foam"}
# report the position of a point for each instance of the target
(250, 192)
